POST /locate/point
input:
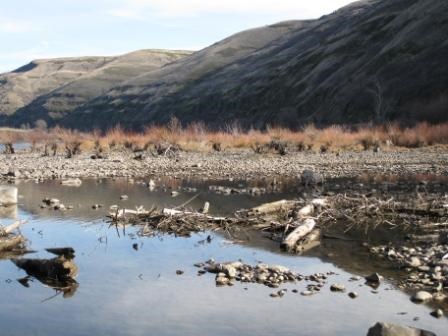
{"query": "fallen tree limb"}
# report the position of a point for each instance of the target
(10, 228)
(273, 207)
(300, 232)
(309, 242)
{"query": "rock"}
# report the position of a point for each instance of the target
(60, 207)
(438, 313)
(439, 297)
(421, 297)
(51, 201)
(151, 185)
(310, 178)
(174, 194)
(386, 329)
(353, 295)
(124, 197)
(279, 269)
(8, 195)
(414, 262)
(229, 270)
(306, 293)
(179, 272)
(374, 278)
(221, 281)
(337, 288)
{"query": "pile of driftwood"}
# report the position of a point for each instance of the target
(423, 218)
(291, 220)
(300, 225)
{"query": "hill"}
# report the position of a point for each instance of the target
(374, 60)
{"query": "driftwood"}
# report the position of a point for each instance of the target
(309, 242)
(304, 228)
(274, 207)
(10, 228)
(8, 243)
(72, 182)
(306, 211)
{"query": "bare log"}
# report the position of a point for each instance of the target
(72, 182)
(301, 231)
(206, 208)
(278, 206)
(309, 242)
(14, 226)
(307, 210)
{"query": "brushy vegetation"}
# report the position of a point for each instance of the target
(196, 137)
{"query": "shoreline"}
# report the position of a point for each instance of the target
(236, 164)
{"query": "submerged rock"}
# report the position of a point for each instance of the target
(386, 329)
(438, 313)
(374, 278)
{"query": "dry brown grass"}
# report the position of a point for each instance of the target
(197, 138)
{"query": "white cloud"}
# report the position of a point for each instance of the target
(14, 26)
(125, 13)
(180, 8)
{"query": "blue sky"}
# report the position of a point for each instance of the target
(31, 29)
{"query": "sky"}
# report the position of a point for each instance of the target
(32, 29)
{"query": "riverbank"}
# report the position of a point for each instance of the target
(234, 164)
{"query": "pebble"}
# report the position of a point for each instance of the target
(374, 278)
(438, 313)
(337, 288)
(353, 295)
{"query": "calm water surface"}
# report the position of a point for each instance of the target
(124, 291)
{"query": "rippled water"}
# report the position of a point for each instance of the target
(128, 291)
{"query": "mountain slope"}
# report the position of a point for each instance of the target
(49, 89)
(21, 86)
(372, 60)
(166, 80)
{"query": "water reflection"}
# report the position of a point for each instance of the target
(8, 212)
(130, 285)
(58, 273)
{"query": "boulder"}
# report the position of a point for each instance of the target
(386, 329)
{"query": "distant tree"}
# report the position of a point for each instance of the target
(40, 124)
(381, 105)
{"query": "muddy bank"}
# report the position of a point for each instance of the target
(243, 164)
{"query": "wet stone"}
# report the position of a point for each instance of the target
(438, 313)
(421, 297)
(337, 288)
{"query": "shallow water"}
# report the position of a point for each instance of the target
(124, 291)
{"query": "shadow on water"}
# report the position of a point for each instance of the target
(130, 286)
